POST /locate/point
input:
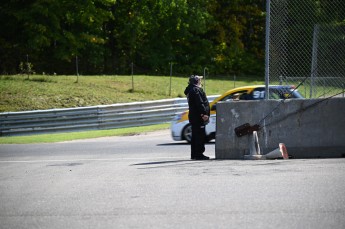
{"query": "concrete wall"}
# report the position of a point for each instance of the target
(310, 128)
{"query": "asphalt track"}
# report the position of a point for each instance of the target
(148, 181)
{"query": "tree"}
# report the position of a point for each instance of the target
(153, 33)
(238, 35)
(109, 35)
(54, 31)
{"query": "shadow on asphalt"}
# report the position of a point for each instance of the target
(160, 164)
(182, 144)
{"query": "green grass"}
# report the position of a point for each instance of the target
(60, 137)
(18, 93)
(40, 92)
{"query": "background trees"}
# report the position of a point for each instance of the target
(108, 35)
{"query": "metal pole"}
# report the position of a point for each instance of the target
(234, 81)
(267, 48)
(170, 78)
(280, 80)
(132, 71)
(314, 60)
(77, 67)
(205, 79)
(27, 64)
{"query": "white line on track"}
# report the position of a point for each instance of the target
(91, 159)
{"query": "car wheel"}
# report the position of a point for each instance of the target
(187, 133)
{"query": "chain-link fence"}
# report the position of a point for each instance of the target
(306, 46)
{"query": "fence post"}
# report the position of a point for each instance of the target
(27, 65)
(132, 73)
(267, 48)
(205, 78)
(234, 81)
(314, 60)
(77, 68)
(170, 78)
(280, 80)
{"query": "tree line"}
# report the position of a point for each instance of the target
(110, 36)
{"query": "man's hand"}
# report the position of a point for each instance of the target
(204, 117)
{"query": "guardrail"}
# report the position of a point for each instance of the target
(91, 118)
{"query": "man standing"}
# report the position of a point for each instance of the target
(199, 113)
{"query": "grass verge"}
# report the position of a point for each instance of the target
(17, 93)
(61, 137)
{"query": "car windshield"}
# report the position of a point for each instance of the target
(274, 93)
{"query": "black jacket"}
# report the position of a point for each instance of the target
(198, 104)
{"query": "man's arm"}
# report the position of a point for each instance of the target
(201, 105)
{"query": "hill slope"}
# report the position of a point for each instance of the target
(18, 93)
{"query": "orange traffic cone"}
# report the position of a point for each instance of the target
(280, 152)
(283, 149)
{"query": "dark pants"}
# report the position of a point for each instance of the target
(198, 140)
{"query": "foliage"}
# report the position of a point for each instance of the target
(227, 37)
(26, 68)
(108, 36)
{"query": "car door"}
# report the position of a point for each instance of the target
(211, 127)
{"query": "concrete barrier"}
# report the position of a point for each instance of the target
(313, 128)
